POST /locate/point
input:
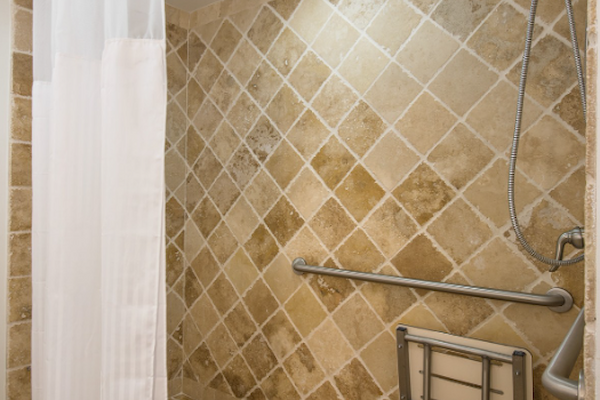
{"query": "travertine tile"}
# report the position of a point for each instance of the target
(174, 214)
(425, 122)
(331, 223)
(390, 227)
(393, 91)
(243, 114)
(19, 246)
(333, 162)
(499, 267)
(242, 166)
(20, 164)
(244, 18)
(208, 70)
(286, 51)
(489, 193)
(278, 386)
(570, 110)
(309, 75)
(304, 310)
(389, 302)
(19, 383)
(259, 357)
(225, 91)
(307, 193)
(244, 61)
(205, 266)
(242, 220)
(265, 29)
(204, 314)
(285, 8)
(283, 221)
(195, 51)
(551, 70)
(548, 151)
(459, 313)
(419, 259)
(221, 345)
(453, 162)
(206, 216)
(20, 119)
(280, 334)
(222, 294)
(281, 279)
(390, 160)
(192, 288)
(176, 122)
(357, 322)
(541, 226)
(240, 325)
(261, 247)
(239, 377)
(263, 138)
(22, 74)
(22, 34)
(285, 108)
(364, 63)
(380, 358)
(496, 44)
(310, 17)
(354, 382)
(461, 17)
(361, 128)
(422, 317)
(427, 51)
(541, 326)
(224, 192)
(571, 193)
(264, 84)
(494, 116)
(330, 290)
(459, 90)
(303, 369)
(306, 245)
(195, 97)
(359, 192)
(240, 271)
(334, 100)
(19, 348)
(262, 193)
(547, 11)
(224, 142)
(459, 231)
(325, 391)
(225, 41)
(207, 120)
(175, 169)
(335, 40)
(386, 30)
(359, 12)
(284, 164)
(359, 253)
(330, 347)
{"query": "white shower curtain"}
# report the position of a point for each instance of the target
(99, 104)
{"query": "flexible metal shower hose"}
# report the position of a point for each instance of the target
(517, 132)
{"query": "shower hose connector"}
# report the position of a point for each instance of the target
(574, 237)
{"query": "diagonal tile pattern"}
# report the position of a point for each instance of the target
(328, 130)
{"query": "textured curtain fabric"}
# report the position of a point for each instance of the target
(99, 110)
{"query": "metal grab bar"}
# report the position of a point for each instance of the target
(555, 378)
(556, 299)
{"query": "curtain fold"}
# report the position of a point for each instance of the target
(98, 200)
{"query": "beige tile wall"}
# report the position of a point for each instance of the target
(370, 135)
(19, 263)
